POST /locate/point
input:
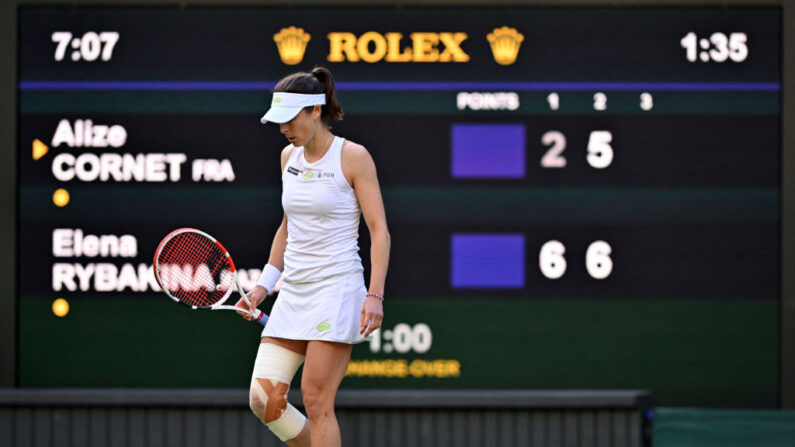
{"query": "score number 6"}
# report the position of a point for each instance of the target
(597, 260)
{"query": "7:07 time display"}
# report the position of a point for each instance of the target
(89, 47)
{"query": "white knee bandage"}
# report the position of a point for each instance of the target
(274, 369)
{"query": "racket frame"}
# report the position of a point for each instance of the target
(258, 315)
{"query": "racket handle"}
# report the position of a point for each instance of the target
(260, 317)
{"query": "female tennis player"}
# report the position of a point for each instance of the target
(323, 306)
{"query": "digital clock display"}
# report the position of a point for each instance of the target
(718, 48)
(577, 197)
(88, 47)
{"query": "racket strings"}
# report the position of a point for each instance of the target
(195, 269)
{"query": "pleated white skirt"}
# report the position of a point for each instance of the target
(327, 310)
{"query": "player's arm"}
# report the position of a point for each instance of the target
(360, 171)
(278, 246)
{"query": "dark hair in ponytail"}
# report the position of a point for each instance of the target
(319, 80)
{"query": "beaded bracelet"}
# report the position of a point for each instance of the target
(374, 295)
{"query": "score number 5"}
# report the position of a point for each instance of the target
(600, 153)
(88, 47)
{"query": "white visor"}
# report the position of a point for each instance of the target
(285, 106)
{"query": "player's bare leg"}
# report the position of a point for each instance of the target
(324, 369)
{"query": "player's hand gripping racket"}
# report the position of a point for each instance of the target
(194, 269)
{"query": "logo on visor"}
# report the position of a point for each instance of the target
(291, 43)
(505, 43)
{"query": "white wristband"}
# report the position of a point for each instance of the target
(269, 277)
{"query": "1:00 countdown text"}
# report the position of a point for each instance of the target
(402, 339)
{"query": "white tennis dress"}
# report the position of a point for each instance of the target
(323, 288)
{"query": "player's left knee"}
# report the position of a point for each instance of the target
(273, 371)
(268, 399)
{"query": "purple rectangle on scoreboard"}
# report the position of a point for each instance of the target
(487, 151)
(487, 261)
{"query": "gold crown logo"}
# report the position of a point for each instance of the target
(291, 43)
(505, 43)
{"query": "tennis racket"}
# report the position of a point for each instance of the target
(194, 269)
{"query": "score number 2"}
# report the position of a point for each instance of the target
(600, 153)
(88, 47)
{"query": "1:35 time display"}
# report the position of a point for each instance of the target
(717, 48)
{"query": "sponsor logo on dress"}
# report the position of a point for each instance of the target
(292, 170)
(323, 326)
(309, 175)
(291, 43)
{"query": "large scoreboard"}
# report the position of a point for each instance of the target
(577, 197)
